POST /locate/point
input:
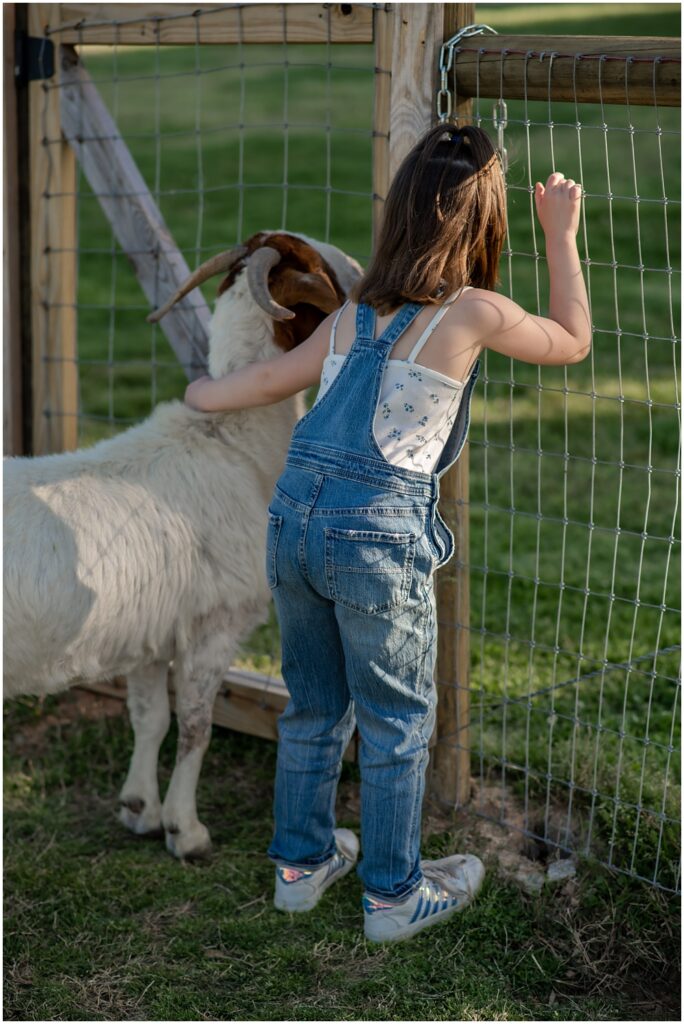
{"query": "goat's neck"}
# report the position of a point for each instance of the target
(240, 332)
(262, 433)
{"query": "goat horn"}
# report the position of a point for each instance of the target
(218, 264)
(258, 266)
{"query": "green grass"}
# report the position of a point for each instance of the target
(177, 162)
(594, 742)
(582, 19)
(102, 926)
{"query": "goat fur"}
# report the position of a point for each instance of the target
(147, 547)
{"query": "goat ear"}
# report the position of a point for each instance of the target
(288, 334)
(316, 289)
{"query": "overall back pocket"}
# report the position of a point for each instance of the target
(369, 570)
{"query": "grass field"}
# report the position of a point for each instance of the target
(101, 926)
(600, 743)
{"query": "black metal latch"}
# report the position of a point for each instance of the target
(34, 58)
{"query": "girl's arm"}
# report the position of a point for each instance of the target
(267, 382)
(565, 335)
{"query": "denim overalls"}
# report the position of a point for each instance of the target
(352, 546)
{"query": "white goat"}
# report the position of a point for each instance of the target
(150, 546)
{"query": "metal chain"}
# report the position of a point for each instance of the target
(446, 60)
(444, 97)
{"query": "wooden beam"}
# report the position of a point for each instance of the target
(643, 71)
(132, 212)
(247, 702)
(177, 24)
(406, 44)
(13, 389)
(53, 263)
(449, 782)
(408, 38)
(416, 40)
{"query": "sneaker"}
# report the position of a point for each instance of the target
(301, 888)
(448, 885)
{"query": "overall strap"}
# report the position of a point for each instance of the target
(433, 324)
(365, 322)
(397, 325)
(334, 326)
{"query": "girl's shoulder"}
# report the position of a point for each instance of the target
(474, 308)
(484, 316)
(472, 295)
(485, 308)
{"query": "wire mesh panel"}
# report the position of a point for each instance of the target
(574, 487)
(574, 471)
(230, 139)
(265, 131)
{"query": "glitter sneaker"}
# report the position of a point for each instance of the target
(301, 888)
(448, 885)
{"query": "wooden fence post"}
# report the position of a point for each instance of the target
(53, 258)
(13, 384)
(408, 38)
(383, 31)
(449, 781)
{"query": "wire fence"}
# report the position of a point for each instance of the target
(231, 140)
(574, 500)
(574, 471)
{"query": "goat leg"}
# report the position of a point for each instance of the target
(196, 687)
(148, 707)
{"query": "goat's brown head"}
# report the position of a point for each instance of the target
(286, 276)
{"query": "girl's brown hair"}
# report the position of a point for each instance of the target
(444, 222)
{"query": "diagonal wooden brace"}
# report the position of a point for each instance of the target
(132, 212)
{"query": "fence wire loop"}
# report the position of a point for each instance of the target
(500, 123)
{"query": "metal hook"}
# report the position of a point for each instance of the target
(500, 122)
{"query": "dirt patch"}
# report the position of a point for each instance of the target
(519, 857)
(65, 710)
(523, 846)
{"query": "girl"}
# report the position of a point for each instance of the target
(355, 535)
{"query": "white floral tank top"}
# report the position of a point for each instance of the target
(416, 407)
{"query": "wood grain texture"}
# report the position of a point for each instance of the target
(132, 212)
(383, 33)
(416, 40)
(407, 40)
(174, 24)
(512, 64)
(53, 265)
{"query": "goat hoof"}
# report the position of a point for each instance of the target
(201, 855)
(189, 844)
(140, 819)
(134, 803)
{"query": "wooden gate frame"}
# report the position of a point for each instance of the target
(407, 39)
